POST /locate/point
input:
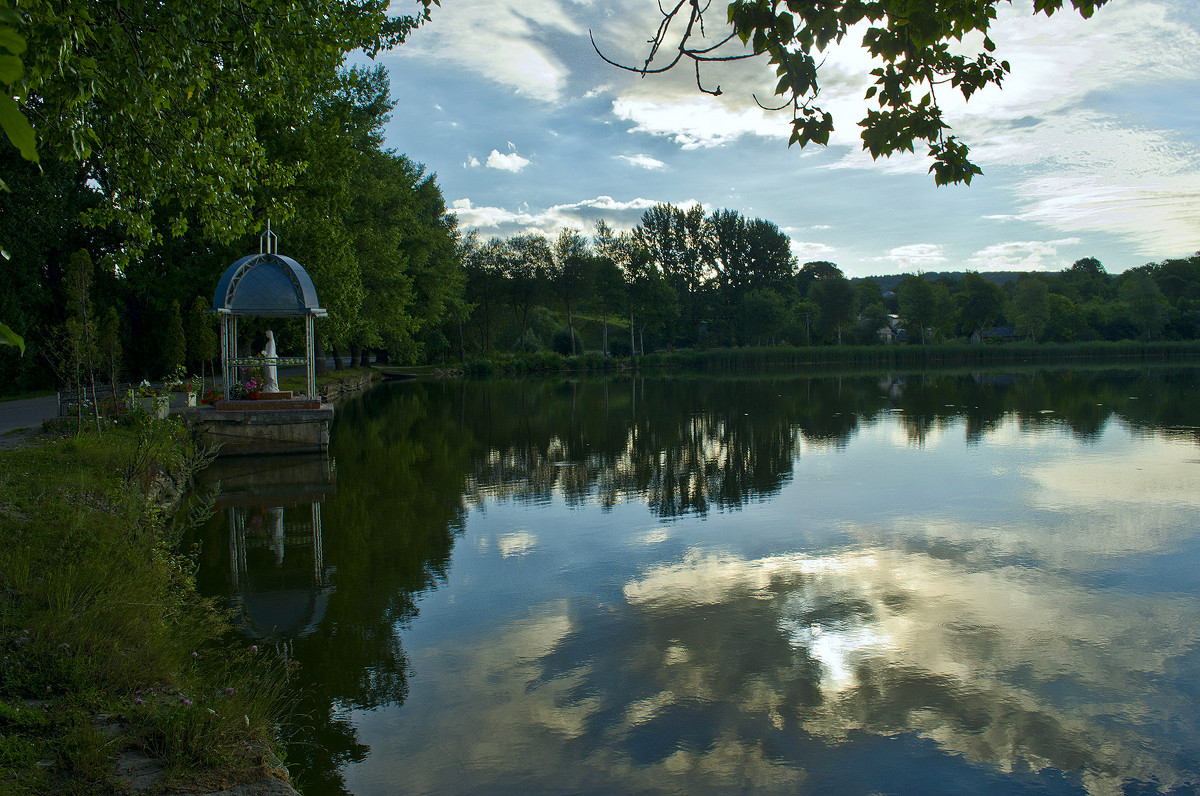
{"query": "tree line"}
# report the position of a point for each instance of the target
(683, 278)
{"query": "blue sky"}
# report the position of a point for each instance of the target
(1091, 149)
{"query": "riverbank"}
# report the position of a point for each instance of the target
(116, 675)
(749, 360)
(334, 386)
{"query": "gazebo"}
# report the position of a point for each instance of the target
(266, 285)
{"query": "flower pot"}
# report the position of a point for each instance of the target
(182, 398)
(254, 395)
(155, 405)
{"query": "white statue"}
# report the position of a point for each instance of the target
(276, 531)
(270, 375)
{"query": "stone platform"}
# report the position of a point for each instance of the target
(265, 425)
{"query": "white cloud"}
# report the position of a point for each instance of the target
(510, 162)
(642, 161)
(1021, 256)
(503, 41)
(598, 91)
(914, 256)
(807, 251)
(1160, 217)
(472, 162)
(575, 215)
(696, 122)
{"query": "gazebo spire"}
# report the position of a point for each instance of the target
(268, 239)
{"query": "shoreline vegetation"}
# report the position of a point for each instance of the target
(108, 650)
(751, 359)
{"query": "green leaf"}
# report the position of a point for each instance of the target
(9, 337)
(17, 128)
(11, 69)
(11, 40)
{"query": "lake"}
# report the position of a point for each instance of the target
(937, 583)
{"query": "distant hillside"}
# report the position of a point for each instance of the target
(890, 281)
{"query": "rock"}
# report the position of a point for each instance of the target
(137, 771)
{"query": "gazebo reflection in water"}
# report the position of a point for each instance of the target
(279, 584)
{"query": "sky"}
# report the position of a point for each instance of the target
(1090, 149)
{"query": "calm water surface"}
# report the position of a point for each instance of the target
(969, 583)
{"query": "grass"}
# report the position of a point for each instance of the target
(19, 396)
(99, 616)
(299, 383)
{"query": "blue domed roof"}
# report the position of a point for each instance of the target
(266, 285)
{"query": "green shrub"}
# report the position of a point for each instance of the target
(561, 342)
(527, 342)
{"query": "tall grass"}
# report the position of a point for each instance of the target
(99, 615)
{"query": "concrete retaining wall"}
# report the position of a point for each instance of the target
(244, 431)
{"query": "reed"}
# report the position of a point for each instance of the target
(750, 360)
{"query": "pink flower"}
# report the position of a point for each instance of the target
(229, 691)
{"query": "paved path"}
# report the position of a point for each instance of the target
(27, 412)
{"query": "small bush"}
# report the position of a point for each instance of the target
(544, 361)
(618, 346)
(561, 342)
(528, 342)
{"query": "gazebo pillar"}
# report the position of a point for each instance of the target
(310, 353)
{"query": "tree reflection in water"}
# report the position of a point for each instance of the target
(931, 637)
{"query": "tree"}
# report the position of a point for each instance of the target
(109, 345)
(571, 265)
(812, 271)
(430, 247)
(919, 44)
(980, 302)
(917, 303)
(836, 308)
(202, 343)
(746, 254)
(1031, 305)
(71, 348)
(164, 100)
(678, 245)
(769, 250)
(1146, 303)
(873, 317)
(174, 341)
(525, 261)
(764, 314)
(14, 123)
(646, 294)
(1086, 279)
(609, 279)
(484, 288)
